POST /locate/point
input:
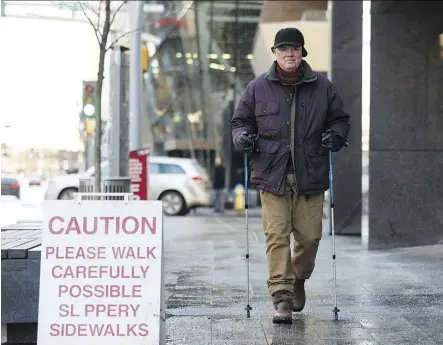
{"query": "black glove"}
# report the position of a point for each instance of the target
(332, 141)
(245, 143)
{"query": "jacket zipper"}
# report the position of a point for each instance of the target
(292, 136)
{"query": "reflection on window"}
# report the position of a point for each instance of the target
(441, 45)
(190, 101)
(153, 168)
(171, 169)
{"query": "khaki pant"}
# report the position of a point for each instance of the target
(283, 215)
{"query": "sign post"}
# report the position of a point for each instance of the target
(138, 172)
(101, 278)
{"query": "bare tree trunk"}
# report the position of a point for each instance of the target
(102, 35)
(100, 77)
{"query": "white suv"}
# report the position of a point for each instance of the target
(181, 183)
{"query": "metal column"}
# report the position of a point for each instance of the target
(119, 136)
(136, 75)
(229, 163)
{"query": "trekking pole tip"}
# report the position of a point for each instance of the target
(336, 311)
(248, 311)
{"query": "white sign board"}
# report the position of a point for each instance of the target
(101, 279)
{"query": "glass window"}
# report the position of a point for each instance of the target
(201, 65)
(154, 168)
(171, 169)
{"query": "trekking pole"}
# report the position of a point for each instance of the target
(332, 231)
(248, 307)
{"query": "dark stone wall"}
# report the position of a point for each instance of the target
(406, 125)
(346, 50)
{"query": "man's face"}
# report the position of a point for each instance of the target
(288, 57)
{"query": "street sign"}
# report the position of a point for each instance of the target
(73, 5)
(139, 174)
(101, 274)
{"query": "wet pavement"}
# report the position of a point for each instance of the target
(386, 297)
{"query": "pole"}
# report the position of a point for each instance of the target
(90, 150)
(119, 133)
(135, 76)
(124, 115)
(332, 230)
(115, 100)
(248, 287)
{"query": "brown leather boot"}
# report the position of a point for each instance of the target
(298, 303)
(283, 304)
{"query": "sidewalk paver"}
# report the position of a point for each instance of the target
(386, 297)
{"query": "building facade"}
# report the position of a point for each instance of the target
(209, 52)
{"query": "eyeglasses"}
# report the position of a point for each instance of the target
(288, 49)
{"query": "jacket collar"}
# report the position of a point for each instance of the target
(308, 75)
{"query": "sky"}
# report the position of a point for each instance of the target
(42, 66)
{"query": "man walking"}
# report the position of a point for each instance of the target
(219, 185)
(288, 119)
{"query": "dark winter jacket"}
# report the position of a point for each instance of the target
(219, 177)
(265, 109)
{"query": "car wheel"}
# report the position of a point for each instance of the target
(173, 203)
(67, 194)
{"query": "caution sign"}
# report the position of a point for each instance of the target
(101, 273)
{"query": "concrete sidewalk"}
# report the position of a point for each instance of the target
(385, 297)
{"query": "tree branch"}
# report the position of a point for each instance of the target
(123, 35)
(98, 14)
(97, 33)
(95, 12)
(116, 11)
(167, 13)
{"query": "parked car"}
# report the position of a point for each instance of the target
(63, 187)
(35, 181)
(181, 183)
(10, 184)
